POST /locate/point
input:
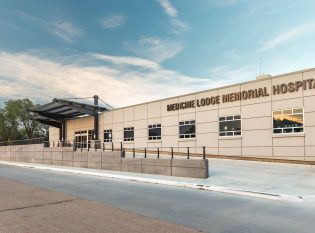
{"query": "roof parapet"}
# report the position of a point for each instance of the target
(263, 76)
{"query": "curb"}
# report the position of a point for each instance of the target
(248, 193)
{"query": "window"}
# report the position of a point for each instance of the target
(81, 139)
(129, 134)
(91, 135)
(187, 129)
(230, 125)
(155, 132)
(288, 121)
(108, 135)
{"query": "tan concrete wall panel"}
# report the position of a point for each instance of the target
(256, 110)
(141, 112)
(154, 109)
(257, 123)
(257, 138)
(128, 114)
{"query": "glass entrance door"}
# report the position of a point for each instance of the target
(81, 139)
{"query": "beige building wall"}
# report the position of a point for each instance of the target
(53, 134)
(257, 139)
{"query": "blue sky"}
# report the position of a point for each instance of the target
(135, 51)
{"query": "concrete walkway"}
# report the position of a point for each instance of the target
(285, 182)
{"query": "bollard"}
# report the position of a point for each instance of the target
(145, 153)
(204, 152)
(158, 152)
(172, 152)
(187, 152)
(133, 153)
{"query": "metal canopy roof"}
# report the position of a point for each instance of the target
(59, 110)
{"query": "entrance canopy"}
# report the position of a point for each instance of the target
(58, 111)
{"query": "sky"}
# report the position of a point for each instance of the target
(135, 51)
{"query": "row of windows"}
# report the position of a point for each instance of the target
(284, 122)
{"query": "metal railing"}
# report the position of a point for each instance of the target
(142, 152)
(23, 142)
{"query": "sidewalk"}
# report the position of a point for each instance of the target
(285, 182)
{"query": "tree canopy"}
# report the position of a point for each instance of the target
(17, 123)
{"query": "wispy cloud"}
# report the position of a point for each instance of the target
(155, 48)
(64, 30)
(43, 77)
(168, 8)
(176, 25)
(133, 61)
(221, 3)
(113, 21)
(287, 36)
(233, 75)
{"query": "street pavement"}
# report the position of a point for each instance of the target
(260, 179)
(202, 210)
(24, 208)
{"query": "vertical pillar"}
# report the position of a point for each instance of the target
(60, 133)
(64, 130)
(96, 117)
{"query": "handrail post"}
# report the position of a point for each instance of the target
(158, 152)
(172, 152)
(187, 152)
(103, 146)
(74, 146)
(133, 153)
(112, 146)
(145, 153)
(121, 146)
(204, 152)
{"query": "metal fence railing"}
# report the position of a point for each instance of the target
(23, 142)
(126, 149)
(130, 151)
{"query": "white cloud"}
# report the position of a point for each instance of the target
(226, 75)
(178, 26)
(155, 48)
(168, 8)
(113, 21)
(42, 78)
(134, 61)
(287, 36)
(64, 30)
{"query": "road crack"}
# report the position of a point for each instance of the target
(38, 205)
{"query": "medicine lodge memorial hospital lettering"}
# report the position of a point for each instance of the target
(244, 95)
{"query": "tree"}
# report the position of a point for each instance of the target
(17, 123)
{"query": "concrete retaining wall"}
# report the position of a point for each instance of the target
(106, 160)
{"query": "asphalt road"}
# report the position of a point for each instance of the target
(202, 210)
(28, 209)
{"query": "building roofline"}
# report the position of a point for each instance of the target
(218, 88)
